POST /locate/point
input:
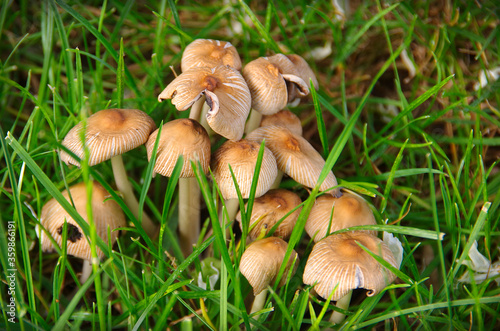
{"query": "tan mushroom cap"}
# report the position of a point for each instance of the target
(295, 156)
(261, 262)
(210, 53)
(296, 86)
(226, 93)
(269, 209)
(184, 137)
(338, 260)
(348, 210)
(110, 132)
(267, 86)
(283, 118)
(106, 212)
(304, 71)
(242, 156)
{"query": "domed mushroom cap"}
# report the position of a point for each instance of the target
(184, 137)
(304, 71)
(295, 156)
(296, 86)
(210, 53)
(261, 262)
(109, 132)
(267, 86)
(106, 212)
(242, 156)
(226, 93)
(271, 208)
(348, 210)
(283, 118)
(339, 260)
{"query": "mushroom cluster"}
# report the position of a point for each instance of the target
(243, 105)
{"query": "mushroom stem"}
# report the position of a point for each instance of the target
(189, 214)
(253, 121)
(259, 301)
(195, 112)
(189, 197)
(124, 186)
(343, 303)
(86, 271)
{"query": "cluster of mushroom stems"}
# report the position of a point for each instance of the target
(246, 107)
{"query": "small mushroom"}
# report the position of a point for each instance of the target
(337, 265)
(297, 87)
(184, 137)
(348, 210)
(304, 71)
(226, 94)
(110, 133)
(188, 138)
(283, 118)
(295, 157)
(210, 53)
(106, 214)
(271, 208)
(242, 157)
(260, 264)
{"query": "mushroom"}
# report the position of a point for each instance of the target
(270, 79)
(226, 94)
(210, 53)
(108, 134)
(297, 87)
(283, 118)
(304, 71)
(106, 214)
(337, 265)
(242, 157)
(188, 138)
(260, 264)
(333, 214)
(270, 209)
(295, 156)
(184, 137)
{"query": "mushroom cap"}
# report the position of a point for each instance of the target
(261, 262)
(106, 212)
(267, 86)
(283, 118)
(295, 156)
(304, 71)
(269, 209)
(184, 137)
(109, 132)
(242, 157)
(210, 53)
(226, 93)
(339, 260)
(296, 86)
(348, 210)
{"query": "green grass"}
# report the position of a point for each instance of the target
(430, 169)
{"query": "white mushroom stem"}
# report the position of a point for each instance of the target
(125, 188)
(253, 121)
(189, 214)
(189, 197)
(86, 271)
(259, 301)
(343, 303)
